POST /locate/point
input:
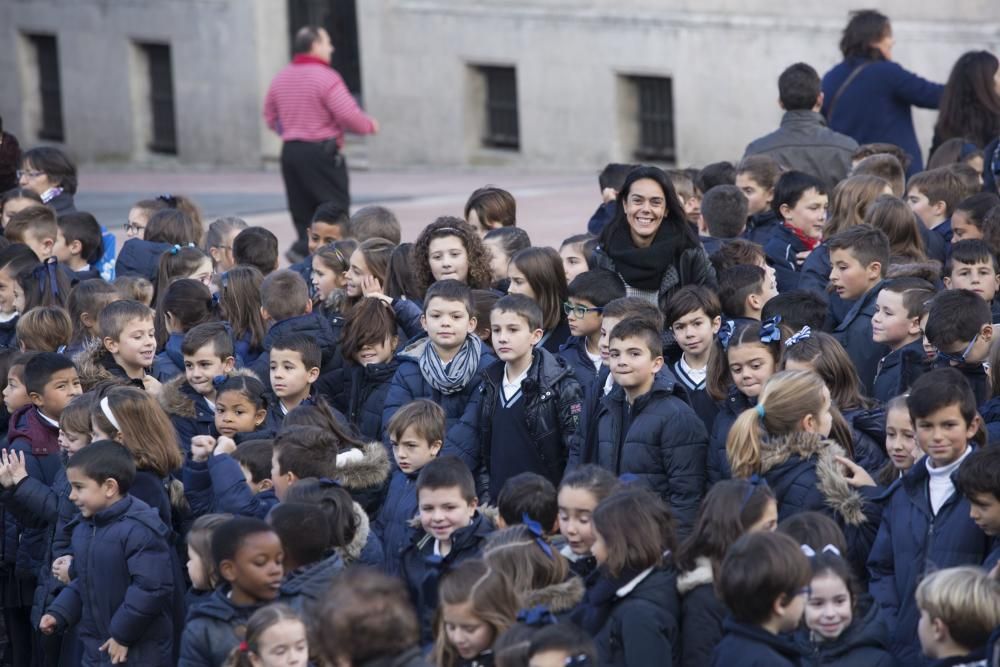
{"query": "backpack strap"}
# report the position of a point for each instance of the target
(850, 79)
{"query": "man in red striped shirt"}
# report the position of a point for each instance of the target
(309, 105)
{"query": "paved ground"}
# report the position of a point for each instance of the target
(550, 205)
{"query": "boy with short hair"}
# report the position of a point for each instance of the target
(257, 246)
(925, 523)
(885, 165)
(933, 196)
(120, 598)
(125, 350)
(744, 290)
(979, 481)
(687, 193)
(723, 216)
(859, 258)
(294, 366)
(801, 201)
(899, 307)
(530, 402)
(300, 452)
(330, 223)
(304, 531)
(973, 266)
(445, 366)
(529, 495)
(589, 293)
(79, 244)
(451, 531)
(959, 326)
(373, 222)
(959, 610)
(644, 426)
(798, 308)
(763, 581)
(248, 559)
(694, 317)
(36, 227)
(416, 432)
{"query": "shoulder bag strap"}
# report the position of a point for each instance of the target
(850, 78)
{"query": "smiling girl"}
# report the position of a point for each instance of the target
(450, 248)
(477, 605)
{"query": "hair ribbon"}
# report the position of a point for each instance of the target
(760, 410)
(811, 553)
(805, 333)
(769, 331)
(177, 247)
(726, 333)
(536, 617)
(536, 530)
(106, 410)
(244, 647)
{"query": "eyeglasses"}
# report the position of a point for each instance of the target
(578, 310)
(131, 227)
(21, 173)
(956, 358)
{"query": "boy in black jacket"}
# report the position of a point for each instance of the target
(531, 403)
(899, 307)
(959, 325)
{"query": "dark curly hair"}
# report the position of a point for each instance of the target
(480, 276)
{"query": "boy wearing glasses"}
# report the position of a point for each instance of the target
(589, 292)
(530, 405)
(959, 326)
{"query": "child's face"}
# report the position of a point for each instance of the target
(890, 323)
(576, 505)
(202, 367)
(136, 346)
(15, 394)
(962, 227)
(944, 434)
(196, 571)
(356, 274)
(203, 272)
(793, 613)
(828, 610)
(284, 644)
(63, 386)
(234, 413)
(750, 366)
(468, 633)
(71, 443)
(324, 279)
(222, 255)
(447, 323)
(448, 258)
(512, 338)
(919, 204)
(549, 658)
(809, 213)
(758, 199)
(289, 376)
(10, 294)
(88, 495)
(929, 350)
(984, 509)
(380, 353)
(901, 440)
(633, 365)
(41, 245)
(412, 451)
(849, 277)
(584, 326)
(607, 326)
(322, 233)
(573, 261)
(768, 521)
(768, 290)
(256, 569)
(498, 259)
(519, 283)
(62, 251)
(695, 332)
(443, 511)
(137, 221)
(280, 481)
(979, 278)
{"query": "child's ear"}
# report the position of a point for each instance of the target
(109, 487)
(986, 332)
(474, 504)
(214, 252)
(914, 329)
(227, 570)
(874, 271)
(47, 245)
(312, 375)
(940, 630)
(769, 197)
(228, 365)
(435, 447)
(939, 207)
(260, 417)
(947, 282)
(265, 485)
(754, 302)
(657, 363)
(36, 398)
(394, 342)
(263, 314)
(423, 322)
(716, 325)
(309, 305)
(784, 210)
(472, 325)
(75, 248)
(536, 336)
(111, 345)
(87, 320)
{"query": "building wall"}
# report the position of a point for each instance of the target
(724, 57)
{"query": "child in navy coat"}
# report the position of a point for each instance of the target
(801, 201)
(369, 341)
(959, 610)
(899, 307)
(959, 326)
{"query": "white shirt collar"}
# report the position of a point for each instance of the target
(630, 586)
(512, 386)
(51, 421)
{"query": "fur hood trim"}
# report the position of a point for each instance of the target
(557, 598)
(351, 552)
(176, 402)
(929, 270)
(369, 470)
(89, 365)
(700, 575)
(840, 496)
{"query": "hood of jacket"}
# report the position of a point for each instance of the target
(91, 364)
(28, 424)
(370, 469)
(218, 606)
(349, 553)
(139, 257)
(313, 578)
(313, 325)
(700, 575)
(179, 398)
(929, 271)
(777, 452)
(557, 598)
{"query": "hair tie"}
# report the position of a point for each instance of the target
(725, 333)
(807, 550)
(536, 617)
(244, 647)
(805, 333)
(811, 553)
(579, 660)
(450, 230)
(830, 549)
(177, 247)
(760, 410)
(106, 409)
(769, 331)
(169, 200)
(536, 530)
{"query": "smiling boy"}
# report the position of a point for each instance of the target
(127, 347)
(899, 307)
(801, 201)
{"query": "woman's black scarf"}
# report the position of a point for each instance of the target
(643, 268)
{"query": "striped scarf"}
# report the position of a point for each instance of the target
(453, 377)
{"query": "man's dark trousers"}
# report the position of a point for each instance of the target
(314, 173)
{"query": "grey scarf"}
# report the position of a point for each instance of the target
(456, 375)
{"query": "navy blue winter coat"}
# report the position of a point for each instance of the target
(602, 217)
(911, 542)
(864, 643)
(781, 250)
(815, 276)
(461, 409)
(702, 613)
(752, 646)
(304, 587)
(314, 326)
(8, 333)
(369, 386)
(898, 370)
(990, 412)
(218, 486)
(868, 437)
(210, 633)
(855, 333)
(761, 226)
(975, 375)
(189, 412)
(659, 439)
(876, 106)
(139, 257)
(574, 352)
(169, 363)
(736, 403)
(123, 588)
(392, 524)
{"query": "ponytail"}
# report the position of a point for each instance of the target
(743, 444)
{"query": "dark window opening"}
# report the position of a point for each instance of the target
(502, 129)
(50, 88)
(656, 119)
(340, 19)
(161, 99)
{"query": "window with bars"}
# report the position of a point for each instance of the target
(49, 87)
(501, 127)
(163, 137)
(655, 107)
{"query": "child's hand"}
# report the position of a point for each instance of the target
(60, 568)
(609, 195)
(856, 475)
(13, 461)
(151, 385)
(115, 651)
(48, 624)
(225, 445)
(201, 447)
(6, 476)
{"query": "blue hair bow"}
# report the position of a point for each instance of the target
(47, 269)
(536, 530)
(536, 617)
(769, 331)
(725, 333)
(218, 381)
(755, 482)
(579, 660)
(177, 248)
(802, 334)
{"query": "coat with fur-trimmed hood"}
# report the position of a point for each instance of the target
(188, 410)
(94, 364)
(364, 473)
(802, 470)
(702, 613)
(558, 598)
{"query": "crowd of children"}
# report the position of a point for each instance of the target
(746, 419)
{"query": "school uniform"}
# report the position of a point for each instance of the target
(896, 372)
(213, 629)
(364, 473)
(745, 645)
(555, 338)
(312, 325)
(169, 363)
(867, 427)
(990, 412)
(702, 613)
(8, 332)
(658, 438)
(86, 274)
(943, 229)
(913, 540)
(711, 244)
(584, 364)
(717, 462)
(855, 333)
(139, 257)
(369, 386)
(593, 393)
(580, 565)
(762, 226)
(781, 250)
(392, 524)
(96, 365)
(864, 643)
(694, 382)
(306, 586)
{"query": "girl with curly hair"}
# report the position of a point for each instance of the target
(451, 248)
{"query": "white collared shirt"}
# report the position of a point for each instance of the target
(512, 387)
(51, 421)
